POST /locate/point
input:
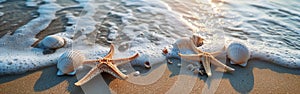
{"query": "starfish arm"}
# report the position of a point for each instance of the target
(115, 72)
(91, 74)
(206, 65)
(122, 61)
(220, 64)
(90, 63)
(195, 57)
(194, 48)
(218, 52)
(111, 52)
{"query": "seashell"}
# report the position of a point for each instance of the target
(68, 42)
(169, 61)
(179, 64)
(190, 67)
(136, 73)
(187, 43)
(197, 40)
(200, 71)
(147, 65)
(238, 53)
(69, 61)
(123, 70)
(53, 42)
(165, 51)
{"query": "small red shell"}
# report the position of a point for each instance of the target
(165, 50)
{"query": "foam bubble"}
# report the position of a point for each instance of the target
(31, 3)
(24, 61)
(49, 1)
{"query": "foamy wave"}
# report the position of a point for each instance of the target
(150, 26)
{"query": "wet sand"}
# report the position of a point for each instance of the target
(257, 77)
(22, 15)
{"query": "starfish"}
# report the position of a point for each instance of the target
(108, 65)
(206, 59)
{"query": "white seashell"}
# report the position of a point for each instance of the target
(68, 42)
(179, 64)
(123, 70)
(169, 61)
(190, 67)
(69, 61)
(147, 64)
(197, 40)
(188, 42)
(53, 42)
(238, 53)
(136, 73)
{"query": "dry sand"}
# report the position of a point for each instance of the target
(257, 77)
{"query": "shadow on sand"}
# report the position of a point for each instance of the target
(49, 79)
(242, 80)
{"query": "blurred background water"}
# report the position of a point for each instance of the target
(274, 23)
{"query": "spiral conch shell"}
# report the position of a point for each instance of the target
(69, 61)
(53, 42)
(197, 40)
(238, 53)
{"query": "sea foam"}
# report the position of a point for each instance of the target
(18, 56)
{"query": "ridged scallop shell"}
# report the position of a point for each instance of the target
(238, 53)
(53, 42)
(68, 61)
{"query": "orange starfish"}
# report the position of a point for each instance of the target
(106, 64)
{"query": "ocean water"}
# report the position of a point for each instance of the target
(147, 26)
(276, 23)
